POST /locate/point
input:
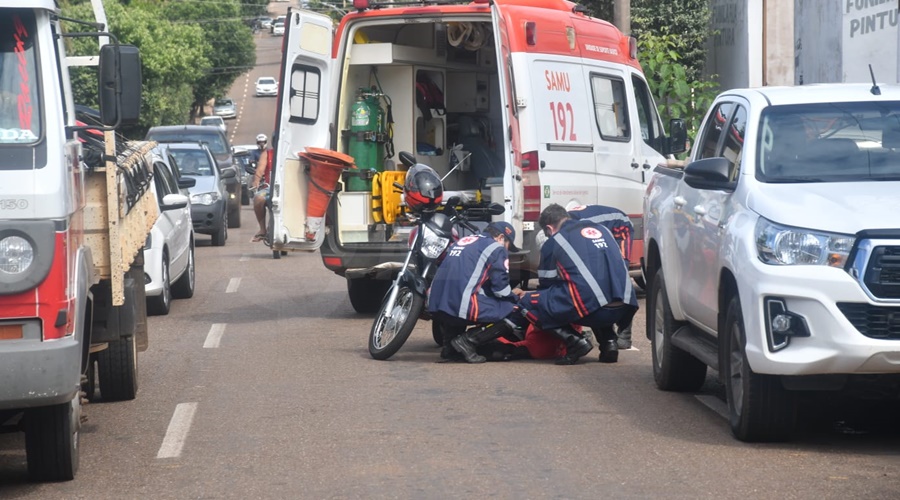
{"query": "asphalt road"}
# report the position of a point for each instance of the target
(261, 386)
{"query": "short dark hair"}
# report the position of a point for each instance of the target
(493, 232)
(552, 215)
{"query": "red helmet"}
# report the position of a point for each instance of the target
(422, 188)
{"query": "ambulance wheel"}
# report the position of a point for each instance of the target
(366, 294)
(276, 254)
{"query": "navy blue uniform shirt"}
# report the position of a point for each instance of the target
(472, 283)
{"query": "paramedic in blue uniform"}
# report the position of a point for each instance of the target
(619, 224)
(471, 285)
(583, 280)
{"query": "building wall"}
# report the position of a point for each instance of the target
(784, 42)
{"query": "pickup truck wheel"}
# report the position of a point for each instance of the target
(673, 368)
(117, 370)
(184, 287)
(759, 407)
(366, 294)
(160, 305)
(51, 441)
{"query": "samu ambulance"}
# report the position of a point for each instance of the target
(519, 102)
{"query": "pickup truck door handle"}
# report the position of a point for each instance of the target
(679, 201)
(646, 166)
(700, 210)
(634, 165)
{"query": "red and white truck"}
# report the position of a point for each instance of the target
(550, 102)
(71, 236)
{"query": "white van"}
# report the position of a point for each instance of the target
(551, 104)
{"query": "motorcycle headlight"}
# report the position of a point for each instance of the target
(432, 243)
(16, 255)
(205, 198)
(783, 245)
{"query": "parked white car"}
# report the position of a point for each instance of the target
(774, 256)
(214, 121)
(266, 86)
(169, 250)
(278, 28)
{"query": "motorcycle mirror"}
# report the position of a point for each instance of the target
(407, 158)
(496, 209)
(453, 201)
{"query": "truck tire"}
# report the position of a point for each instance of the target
(117, 370)
(184, 287)
(760, 409)
(160, 304)
(673, 368)
(51, 441)
(366, 294)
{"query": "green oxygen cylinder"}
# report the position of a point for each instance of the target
(363, 146)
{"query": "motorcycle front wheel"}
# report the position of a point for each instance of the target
(391, 328)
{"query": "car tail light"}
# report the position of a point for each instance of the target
(332, 262)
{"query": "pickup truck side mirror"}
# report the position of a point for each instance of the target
(709, 173)
(677, 140)
(173, 202)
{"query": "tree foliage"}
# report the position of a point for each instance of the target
(672, 37)
(190, 52)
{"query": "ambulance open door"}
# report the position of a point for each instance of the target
(512, 180)
(302, 116)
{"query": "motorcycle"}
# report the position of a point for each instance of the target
(435, 228)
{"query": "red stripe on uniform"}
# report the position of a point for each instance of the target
(573, 293)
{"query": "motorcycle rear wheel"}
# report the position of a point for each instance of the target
(391, 329)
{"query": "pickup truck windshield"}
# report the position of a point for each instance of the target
(20, 117)
(830, 142)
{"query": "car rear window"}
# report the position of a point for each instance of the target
(214, 141)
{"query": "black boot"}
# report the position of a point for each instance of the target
(609, 348)
(576, 345)
(467, 343)
(448, 353)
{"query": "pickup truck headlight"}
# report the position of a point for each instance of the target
(783, 245)
(205, 198)
(16, 255)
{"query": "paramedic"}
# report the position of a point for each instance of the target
(260, 185)
(471, 286)
(583, 280)
(619, 224)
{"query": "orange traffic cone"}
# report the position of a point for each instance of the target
(325, 167)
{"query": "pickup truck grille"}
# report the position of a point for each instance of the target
(882, 275)
(877, 322)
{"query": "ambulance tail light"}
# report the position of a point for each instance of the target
(530, 33)
(532, 202)
(360, 5)
(531, 189)
(632, 47)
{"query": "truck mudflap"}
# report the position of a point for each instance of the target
(35, 372)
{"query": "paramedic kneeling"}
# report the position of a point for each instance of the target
(619, 224)
(471, 287)
(583, 280)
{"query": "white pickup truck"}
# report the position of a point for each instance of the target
(773, 257)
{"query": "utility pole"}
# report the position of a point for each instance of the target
(622, 15)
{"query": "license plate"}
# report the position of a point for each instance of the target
(10, 332)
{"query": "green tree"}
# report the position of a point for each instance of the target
(172, 59)
(229, 46)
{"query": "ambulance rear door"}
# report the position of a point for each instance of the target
(302, 119)
(512, 180)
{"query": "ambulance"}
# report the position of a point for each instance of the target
(518, 102)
